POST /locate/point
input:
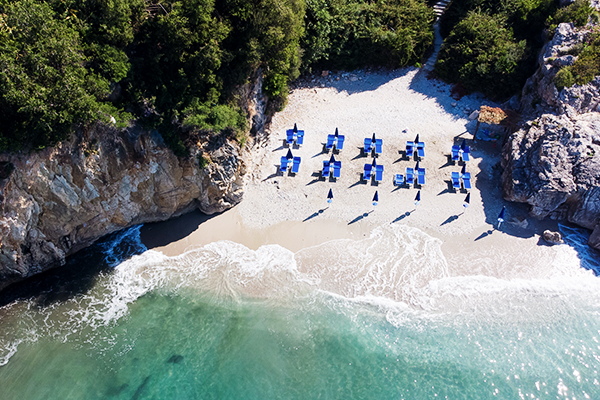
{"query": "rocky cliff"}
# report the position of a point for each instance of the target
(60, 200)
(553, 161)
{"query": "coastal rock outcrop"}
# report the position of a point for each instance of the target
(60, 200)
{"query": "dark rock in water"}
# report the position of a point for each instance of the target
(594, 240)
(140, 389)
(175, 359)
(552, 237)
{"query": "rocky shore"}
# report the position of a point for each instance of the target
(552, 162)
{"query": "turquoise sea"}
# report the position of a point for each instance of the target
(386, 317)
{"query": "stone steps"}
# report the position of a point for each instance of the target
(439, 8)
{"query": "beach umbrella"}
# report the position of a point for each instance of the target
(374, 162)
(417, 139)
(373, 138)
(418, 198)
(464, 169)
(331, 160)
(417, 166)
(330, 196)
(336, 132)
(463, 144)
(375, 198)
(501, 216)
(467, 200)
(289, 155)
(295, 129)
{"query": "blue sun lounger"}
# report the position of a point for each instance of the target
(300, 137)
(379, 173)
(421, 149)
(289, 136)
(330, 140)
(410, 176)
(455, 152)
(421, 176)
(326, 168)
(284, 164)
(368, 145)
(378, 146)
(340, 142)
(399, 180)
(296, 165)
(466, 178)
(410, 149)
(337, 169)
(367, 172)
(456, 180)
(466, 153)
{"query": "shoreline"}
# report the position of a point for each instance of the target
(292, 211)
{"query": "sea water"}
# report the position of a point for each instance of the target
(385, 317)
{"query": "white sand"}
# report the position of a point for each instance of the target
(292, 210)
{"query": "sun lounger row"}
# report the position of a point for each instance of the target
(294, 136)
(411, 174)
(373, 144)
(412, 146)
(465, 178)
(368, 172)
(461, 152)
(286, 162)
(328, 167)
(335, 142)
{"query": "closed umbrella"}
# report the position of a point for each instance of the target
(418, 198)
(336, 132)
(330, 196)
(501, 216)
(467, 200)
(289, 155)
(295, 129)
(375, 198)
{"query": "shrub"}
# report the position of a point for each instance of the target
(564, 78)
(578, 13)
(215, 118)
(482, 54)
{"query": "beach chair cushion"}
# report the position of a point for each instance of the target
(340, 142)
(330, 140)
(367, 171)
(379, 173)
(326, 168)
(466, 153)
(410, 149)
(455, 152)
(368, 145)
(300, 137)
(284, 164)
(421, 176)
(296, 165)
(378, 146)
(337, 169)
(410, 177)
(421, 149)
(455, 180)
(466, 178)
(399, 180)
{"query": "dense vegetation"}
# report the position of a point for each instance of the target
(177, 65)
(491, 45)
(508, 35)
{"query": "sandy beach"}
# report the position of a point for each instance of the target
(292, 210)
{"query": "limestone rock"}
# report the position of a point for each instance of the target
(60, 200)
(552, 237)
(553, 164)
(594, 240)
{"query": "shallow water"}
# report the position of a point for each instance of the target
(384, 317)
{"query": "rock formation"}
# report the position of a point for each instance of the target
(60, 200)
(553, 162)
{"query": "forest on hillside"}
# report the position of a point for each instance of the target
(178, 65)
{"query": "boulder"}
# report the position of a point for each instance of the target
(552, 237)
(594, 240)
